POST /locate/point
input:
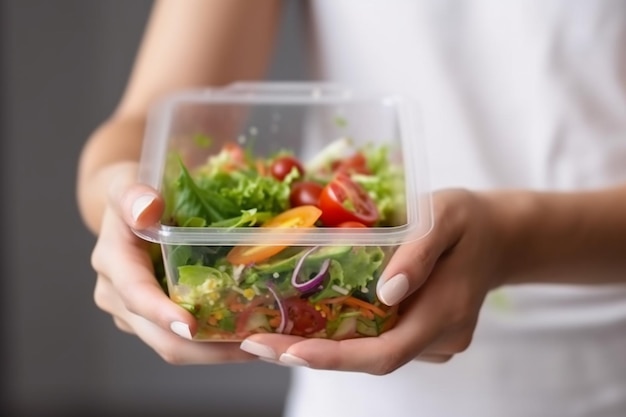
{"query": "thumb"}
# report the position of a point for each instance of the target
(139, 205)
(411, 265)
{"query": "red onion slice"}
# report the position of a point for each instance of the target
(281, 308)
(313, 283)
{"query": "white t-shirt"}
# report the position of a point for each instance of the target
(520, 93)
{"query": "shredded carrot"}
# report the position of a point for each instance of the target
(335, 300)
(274, 321)
(212, 321)
(325, 311)
(355, 302)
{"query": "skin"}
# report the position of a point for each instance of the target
(480, 241)
(186, 44)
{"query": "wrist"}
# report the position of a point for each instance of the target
(514, 216)
(559, 237)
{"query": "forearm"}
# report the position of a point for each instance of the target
(577, 238)
(195, 43)
(114, 144)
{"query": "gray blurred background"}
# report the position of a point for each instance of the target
(63, 65)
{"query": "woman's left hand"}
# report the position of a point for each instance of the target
(440, 282)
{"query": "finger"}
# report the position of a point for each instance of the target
(375, 355)
(177, 351)
(132, 278)
(107, 301)
(268, 347)
(424, 321)
(123, 325)
(413, 262)
(409, 268)
(171, 348)
(138, 204)
(434, 358)
(168, 346)
(455, 340)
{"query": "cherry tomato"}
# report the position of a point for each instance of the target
(283, 165)
(305, 318)
(305, 193)
(343, 200)
(353, 164)
(352, 224)
(303, 216)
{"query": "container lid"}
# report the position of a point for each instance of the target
(418, 201)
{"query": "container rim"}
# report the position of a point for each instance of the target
(419, 219)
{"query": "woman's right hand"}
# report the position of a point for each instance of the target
(126, 287)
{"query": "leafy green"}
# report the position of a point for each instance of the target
(385, 185)
(196, 275)
(353, 271)
(246, 190)
(250, 217)
(191, 201)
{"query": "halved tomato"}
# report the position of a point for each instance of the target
(343, 200)
(302, 216)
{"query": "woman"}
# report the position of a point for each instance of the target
(525, 112)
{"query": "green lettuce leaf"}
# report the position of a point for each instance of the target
(353, 271)
(385, 185)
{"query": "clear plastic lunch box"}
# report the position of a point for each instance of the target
(266, 118)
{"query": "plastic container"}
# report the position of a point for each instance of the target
(332, 294)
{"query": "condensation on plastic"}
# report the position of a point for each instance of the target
(284, 95)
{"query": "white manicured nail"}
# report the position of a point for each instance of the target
(140, 204)
(258, 349)
(292, 360)
(181, 329)
(393, 290)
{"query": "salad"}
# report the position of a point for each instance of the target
(309, 291)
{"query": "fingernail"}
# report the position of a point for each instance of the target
(258, 349)
(393, 290)
(181, 329)
(292, 360)
(140, 204)
(272, 361)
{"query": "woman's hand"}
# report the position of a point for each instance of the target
(441, 282)
(126, 287)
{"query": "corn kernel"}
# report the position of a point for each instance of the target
(249, 293)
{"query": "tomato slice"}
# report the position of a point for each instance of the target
(305, 318)
(302, 216)
(343, 200)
